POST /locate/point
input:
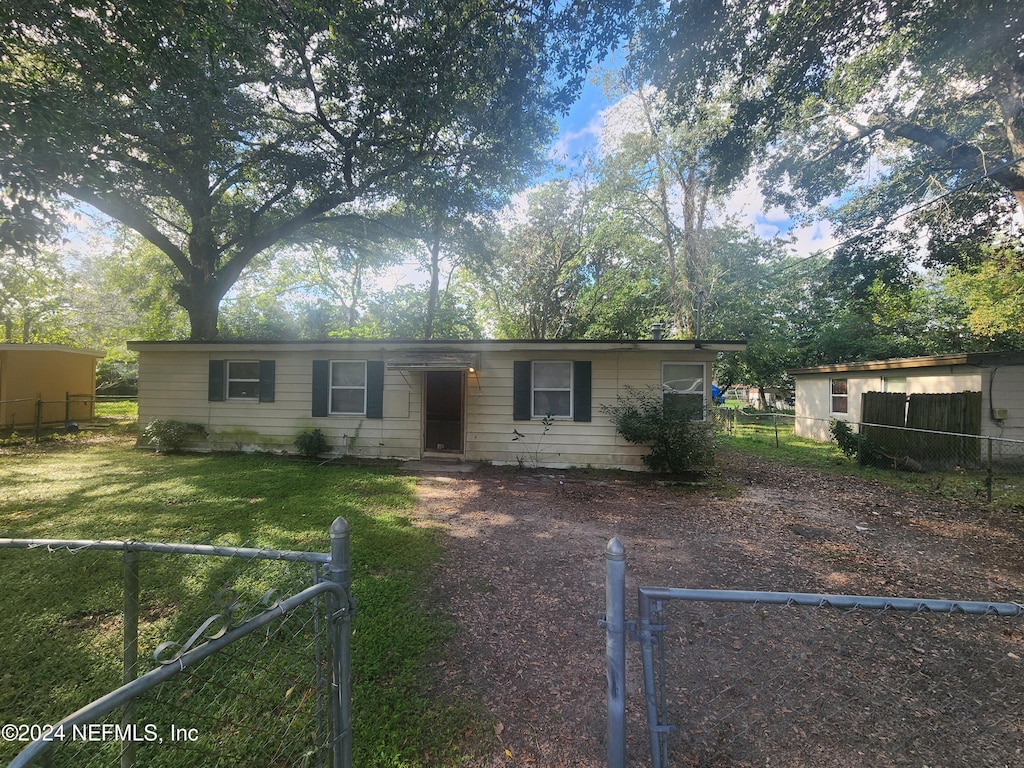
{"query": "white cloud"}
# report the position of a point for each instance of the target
(747, 206)
(811, 238)
(570, 145)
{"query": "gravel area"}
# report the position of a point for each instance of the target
(523, 577)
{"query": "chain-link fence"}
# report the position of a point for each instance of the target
(973, 467)
(35, 412)
(755, 678)
(35, 417)
(177, 655)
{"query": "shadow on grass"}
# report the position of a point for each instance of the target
(64, 623)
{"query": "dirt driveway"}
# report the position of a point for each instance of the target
(523, 576)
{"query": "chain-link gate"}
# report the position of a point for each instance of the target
(779, 678)
(228, 656)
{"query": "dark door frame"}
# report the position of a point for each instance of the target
(446, 431)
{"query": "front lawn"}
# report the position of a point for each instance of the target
(59, 641)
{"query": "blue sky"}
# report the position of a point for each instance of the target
(580, 131)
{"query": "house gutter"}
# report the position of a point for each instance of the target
(440, 346)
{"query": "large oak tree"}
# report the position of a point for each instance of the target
(217, 128)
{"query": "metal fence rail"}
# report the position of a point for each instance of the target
(968, 466)
(257, 673)
(35, 412)
(778, 678)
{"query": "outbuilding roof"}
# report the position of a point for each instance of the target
(51, 348)
(980, 359)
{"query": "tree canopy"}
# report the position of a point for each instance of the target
(275, 156)
(868, 106)
(216, 130)
(942, 78)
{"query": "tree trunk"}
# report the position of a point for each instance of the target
(202, 302)
(433, 295)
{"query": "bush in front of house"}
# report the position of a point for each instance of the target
(680, 441)
(312, 443)
(169, 436)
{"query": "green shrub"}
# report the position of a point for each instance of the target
(679, 440)
(854, 445)
(843, 435)
(312, 443)
(169, 435)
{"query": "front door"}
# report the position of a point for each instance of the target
(443, 399)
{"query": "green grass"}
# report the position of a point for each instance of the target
(61, 633)
(762, 439)
(117, 409)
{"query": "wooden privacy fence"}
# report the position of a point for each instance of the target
(957, 413)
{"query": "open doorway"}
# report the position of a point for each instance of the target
(443, 398)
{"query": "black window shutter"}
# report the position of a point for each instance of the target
(581, 390)
(522, 384)
(216, 382)
(321, 387)
(267, 368)
(374, 389)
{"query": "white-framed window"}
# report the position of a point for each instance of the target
(552, 389)
(682, 387)
(348, 386)
(840, 395)
(242, 379)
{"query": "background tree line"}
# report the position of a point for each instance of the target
(263, 170)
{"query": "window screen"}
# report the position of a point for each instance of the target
(243, 379)
(682, 387)
(348, 386)
(552, 388)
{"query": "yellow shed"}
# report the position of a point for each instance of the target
(57, 381)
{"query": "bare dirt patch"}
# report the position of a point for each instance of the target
(523, 575)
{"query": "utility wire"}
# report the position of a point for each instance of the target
(881, 225)
(925, 204)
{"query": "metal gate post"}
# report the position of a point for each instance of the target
(340, 627)
(646, 630)
(130, 662)
(988, 473)
(615, 650)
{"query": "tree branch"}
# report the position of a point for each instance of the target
(123, 211)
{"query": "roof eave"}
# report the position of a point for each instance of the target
(474, 345)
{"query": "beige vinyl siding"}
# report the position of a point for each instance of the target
(567, 443)
(1003, 394)
(813, 394)
(1006, 385)
(174, 385)
(949, 380)
(813, 404)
